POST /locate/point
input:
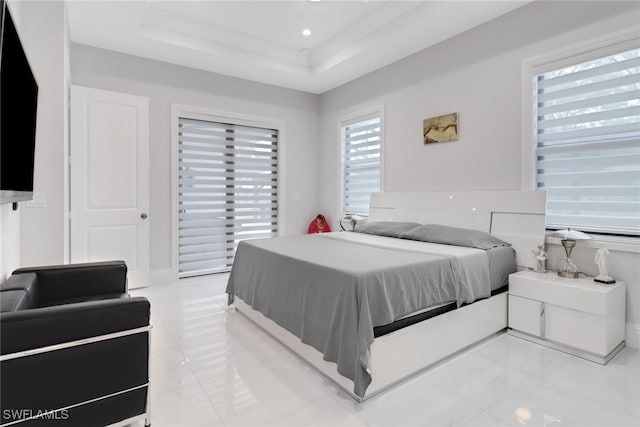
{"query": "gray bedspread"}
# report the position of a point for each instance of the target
(332, 292)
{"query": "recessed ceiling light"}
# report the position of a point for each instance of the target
(315, 1)
(306, 32)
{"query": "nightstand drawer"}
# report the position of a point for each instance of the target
(526, 315)
(579, 329)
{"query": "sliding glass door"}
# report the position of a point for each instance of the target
(227, 191)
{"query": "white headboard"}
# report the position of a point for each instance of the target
(517, 217)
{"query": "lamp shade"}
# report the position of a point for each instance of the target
(570, 234)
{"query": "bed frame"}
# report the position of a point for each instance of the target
(517, 217)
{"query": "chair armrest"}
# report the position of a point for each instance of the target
(62, 282)
(41, 327)
(19, 292)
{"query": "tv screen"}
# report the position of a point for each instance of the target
(18, 106)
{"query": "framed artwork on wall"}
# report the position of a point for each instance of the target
(440, 128)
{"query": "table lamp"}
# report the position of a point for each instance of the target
(569, 237)
(353, 221)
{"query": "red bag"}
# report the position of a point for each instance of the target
(319, 225)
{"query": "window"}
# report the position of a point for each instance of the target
(587, 144)
(362, 144)
(227, 191)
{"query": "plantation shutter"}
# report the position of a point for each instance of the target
(588, 144)
(361, 142)
(227, 191)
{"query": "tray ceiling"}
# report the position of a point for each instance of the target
(263, 41)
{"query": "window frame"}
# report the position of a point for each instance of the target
(590, 50)
(345, 119)
(200, 113)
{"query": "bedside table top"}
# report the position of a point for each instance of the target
(582, 283)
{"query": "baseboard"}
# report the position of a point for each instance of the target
(632, 335)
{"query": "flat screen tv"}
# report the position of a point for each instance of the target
(18, 107)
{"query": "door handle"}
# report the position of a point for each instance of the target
(144, 216)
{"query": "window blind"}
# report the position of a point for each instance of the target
(227, 191)
(361, 142)
(588, 144)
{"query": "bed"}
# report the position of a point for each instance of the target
(371, 309)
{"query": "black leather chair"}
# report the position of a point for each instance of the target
(74, 347)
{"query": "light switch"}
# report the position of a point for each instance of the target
(39, 201)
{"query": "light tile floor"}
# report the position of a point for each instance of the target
(213, 367)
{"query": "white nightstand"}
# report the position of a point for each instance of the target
(577, 316)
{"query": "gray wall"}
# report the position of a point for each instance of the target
(165, 84)
(43, 229)
(477, 74)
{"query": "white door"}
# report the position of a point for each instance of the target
(109, 171)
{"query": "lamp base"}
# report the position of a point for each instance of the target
(608, 281)
(569, 274)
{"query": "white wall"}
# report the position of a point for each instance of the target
(165, 84)
(43, 36)
(10, 238)
(478, 75)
